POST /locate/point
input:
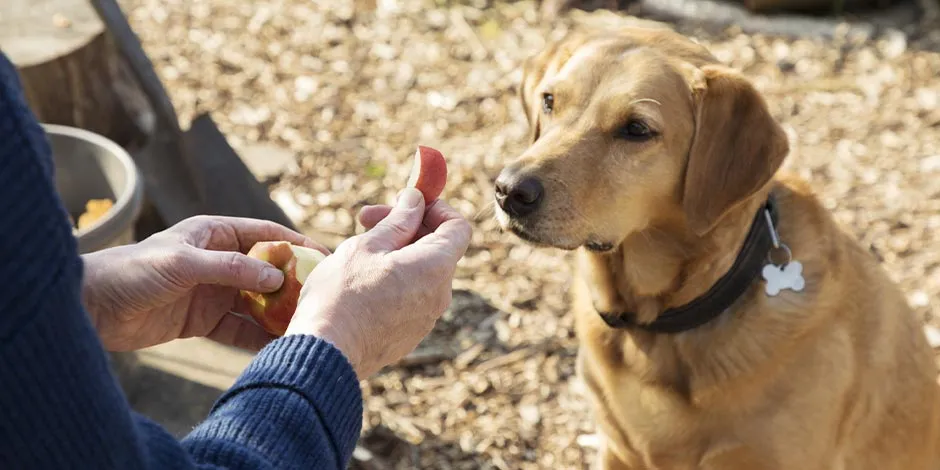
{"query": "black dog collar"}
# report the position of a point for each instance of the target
(748, 265)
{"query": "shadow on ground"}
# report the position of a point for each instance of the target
(175, 402)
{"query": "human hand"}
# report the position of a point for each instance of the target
(381, 292)
(183, 282)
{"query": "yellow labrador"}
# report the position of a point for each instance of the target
(725, 321)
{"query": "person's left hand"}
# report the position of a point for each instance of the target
(183, 282)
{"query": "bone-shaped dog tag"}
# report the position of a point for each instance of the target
(787, 277)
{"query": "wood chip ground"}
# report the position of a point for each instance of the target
(350, 88)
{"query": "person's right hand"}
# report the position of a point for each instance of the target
(381, 292)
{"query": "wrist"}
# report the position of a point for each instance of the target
(90, 296)
(333, 335)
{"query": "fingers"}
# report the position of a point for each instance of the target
(451, 238)
(439, 213)
(251, 231)
(244, 232)
(448, 238)
(401, 225)
(453, 231)
(229, 269)
(233, 330)
(369, 216)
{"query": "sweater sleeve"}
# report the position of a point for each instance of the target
(297, 405)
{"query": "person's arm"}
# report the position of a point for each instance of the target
(298, 405)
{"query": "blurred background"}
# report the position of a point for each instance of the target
(320, 104)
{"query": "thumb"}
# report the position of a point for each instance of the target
(401, 225)
(233, 269)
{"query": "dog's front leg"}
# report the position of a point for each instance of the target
(608, 460)
(737, 457)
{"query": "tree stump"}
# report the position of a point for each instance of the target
(71, 71)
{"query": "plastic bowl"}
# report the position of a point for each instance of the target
(90, 166)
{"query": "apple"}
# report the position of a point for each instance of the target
(273, 311)
(429, 173)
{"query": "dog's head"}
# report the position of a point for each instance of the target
(629, 130)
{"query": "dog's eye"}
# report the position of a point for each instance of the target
(636, 130)
(548, 102)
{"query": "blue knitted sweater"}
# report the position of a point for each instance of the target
(297, 405)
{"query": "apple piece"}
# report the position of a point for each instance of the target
(94, 209)
(429, 173)
(274, 310)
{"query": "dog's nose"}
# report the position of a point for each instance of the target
(518, 195)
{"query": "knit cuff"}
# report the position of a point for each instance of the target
(315, 369)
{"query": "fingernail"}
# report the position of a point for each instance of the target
(271, 278)
(409, 198)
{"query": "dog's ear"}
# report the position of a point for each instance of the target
(737, 148)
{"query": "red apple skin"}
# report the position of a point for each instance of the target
(273, 311)
(429, 173)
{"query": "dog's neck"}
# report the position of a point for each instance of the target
(664, 278)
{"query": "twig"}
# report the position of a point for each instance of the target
(515, 356)
(469, 355)
(395, 421)
(465, 30)
(425, 356)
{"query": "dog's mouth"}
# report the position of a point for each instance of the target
(527, 237)
(535, 240)
(531, 237)
(599, 247)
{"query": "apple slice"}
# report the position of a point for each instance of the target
(429, 173)
(274, 310)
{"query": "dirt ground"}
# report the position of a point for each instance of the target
(350, 88)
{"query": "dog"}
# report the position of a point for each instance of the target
(725, 321)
